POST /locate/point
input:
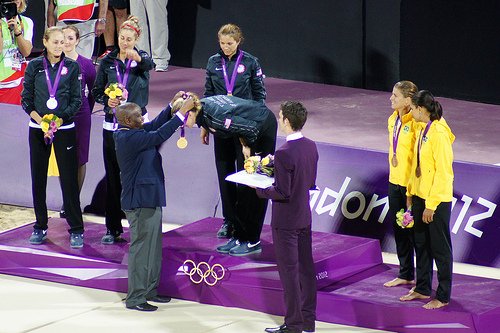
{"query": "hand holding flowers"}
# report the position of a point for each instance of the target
(404, 219)
(50, 123)
(117, 93)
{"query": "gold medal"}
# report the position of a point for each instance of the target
(182, 143)
(418, 172)
(394, 160)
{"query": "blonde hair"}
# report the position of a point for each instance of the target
(407, 88)
(132, 23)
(179, 102)
(231, 30)
(22, 7)
(49, 31)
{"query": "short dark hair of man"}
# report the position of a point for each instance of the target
(296, 114)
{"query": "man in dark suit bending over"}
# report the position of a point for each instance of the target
(143, 196)
(295, 167)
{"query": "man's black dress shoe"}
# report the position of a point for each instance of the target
(159, 299)
(281, 329)
(143, 307)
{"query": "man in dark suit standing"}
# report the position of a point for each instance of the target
(295, 167)
(143, 196)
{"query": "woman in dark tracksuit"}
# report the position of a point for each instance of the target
(255, 126)
(130, 66)
(53, 69)
(231, 71)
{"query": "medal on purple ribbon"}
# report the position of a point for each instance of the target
(52, 88)
(183, 142)
(418, 171)
(394, 160)
(52, 103)
(230, 83)
(395, 139)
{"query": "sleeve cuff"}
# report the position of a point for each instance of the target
(181, 116)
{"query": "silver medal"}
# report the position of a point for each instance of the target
(52, 103)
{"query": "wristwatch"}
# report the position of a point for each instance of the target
(101, 20)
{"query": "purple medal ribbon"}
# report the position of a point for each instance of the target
(183, 134)
(121, 81)
(182, 142)
(395, 134)
(125, 75)
(52, 88)
(230, 84)
(422, 135)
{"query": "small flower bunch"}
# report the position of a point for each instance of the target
(260, 165)
(404, 219)
(50, 123)
(266, 166)
(116, 90)
(251, 164)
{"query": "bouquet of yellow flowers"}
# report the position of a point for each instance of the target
(404, 219)
(116, 90)
(50, 123)
(260, 165)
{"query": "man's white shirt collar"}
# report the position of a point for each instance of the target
(294, 136)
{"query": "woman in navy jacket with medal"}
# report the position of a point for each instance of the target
(52, 85)
(234, 72)
(130, 67)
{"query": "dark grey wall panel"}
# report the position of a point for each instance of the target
(316, 40)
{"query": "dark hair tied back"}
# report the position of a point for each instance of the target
(425, 99)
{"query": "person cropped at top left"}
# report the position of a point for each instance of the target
(15, 46)
(129, 67)
(89, 16)
(82, 118)
(52, 85)
(231, 71)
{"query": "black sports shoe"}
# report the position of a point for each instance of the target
(225, 230)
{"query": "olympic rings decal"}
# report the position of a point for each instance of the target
(203, 272)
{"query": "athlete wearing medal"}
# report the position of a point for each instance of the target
(430, 192)
(401, 141)
(235, 72)
(52, 85)
(130, 67)
(255, 126)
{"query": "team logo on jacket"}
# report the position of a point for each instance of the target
(259, 72)
(241, 68)
(64, 70)
(406, 129)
